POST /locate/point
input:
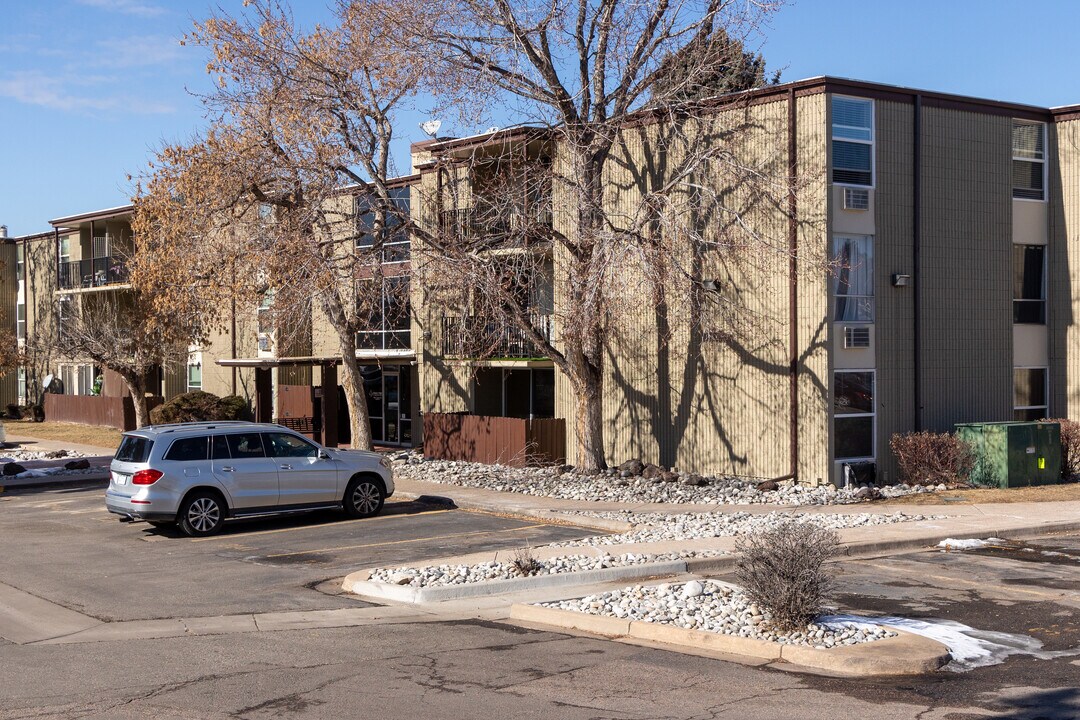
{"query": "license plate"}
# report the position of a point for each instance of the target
(120, 478)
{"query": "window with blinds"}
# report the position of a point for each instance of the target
(1029, 160)
(852, 141)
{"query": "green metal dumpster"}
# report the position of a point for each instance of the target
(1013, 454)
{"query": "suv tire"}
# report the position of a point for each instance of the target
(364, 497)
(201, 514)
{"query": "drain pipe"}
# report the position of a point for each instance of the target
(916, 247)
(793, 285)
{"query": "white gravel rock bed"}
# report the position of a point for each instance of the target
(655, 527)
(437, 576)
(678, 487)
(20, 455)
(714, 607)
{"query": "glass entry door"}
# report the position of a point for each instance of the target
(389, 394)
(392, 405)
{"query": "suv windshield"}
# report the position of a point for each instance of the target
(134, 449)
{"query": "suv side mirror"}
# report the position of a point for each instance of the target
(323, 455)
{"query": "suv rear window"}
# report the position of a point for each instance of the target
(134, 449)
(192, 448)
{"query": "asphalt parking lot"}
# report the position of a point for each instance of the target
(63, 546)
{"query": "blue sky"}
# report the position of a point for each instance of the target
(88, 88)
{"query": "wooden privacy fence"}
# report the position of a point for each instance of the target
(116, 412)
(486, 439)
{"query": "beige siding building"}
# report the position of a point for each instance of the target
(928, 245)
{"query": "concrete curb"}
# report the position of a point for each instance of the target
(905, 654)
(862, 549)
(12, 487)
(359, 584)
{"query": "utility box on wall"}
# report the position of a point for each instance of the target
(1013, 454)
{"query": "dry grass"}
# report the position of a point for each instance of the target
(77, 434)
(1044, 493)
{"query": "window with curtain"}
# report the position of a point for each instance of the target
(852, 141)
(1029, 288)
(853, 284)
(1029, 160)
(1029, 394)
(854, 414)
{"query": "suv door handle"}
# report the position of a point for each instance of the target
(228, 468)
(285, 467)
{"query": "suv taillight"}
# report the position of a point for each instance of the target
(146, 477)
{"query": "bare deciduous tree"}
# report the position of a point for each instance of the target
(267, 200)
(647, 181)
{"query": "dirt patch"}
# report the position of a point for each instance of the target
(104, 437)
(1045, 493)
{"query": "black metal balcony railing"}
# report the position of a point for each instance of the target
(474, 336)
(491, 228)
(96, 272)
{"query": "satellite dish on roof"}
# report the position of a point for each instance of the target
(431, 127)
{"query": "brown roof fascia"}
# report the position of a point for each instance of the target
(392, 183)
(529, 131)
(933, 99)
(1066, 113)
(96, 215)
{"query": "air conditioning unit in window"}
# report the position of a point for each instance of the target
(856, 199)
(856, 337)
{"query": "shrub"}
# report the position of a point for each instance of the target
(198, 405)
(1070, 447)
(526, 563)
(927, 458)
(14, 412)
(783, 570)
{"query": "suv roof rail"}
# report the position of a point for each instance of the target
(204, 425)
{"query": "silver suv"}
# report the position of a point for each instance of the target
(198, 474)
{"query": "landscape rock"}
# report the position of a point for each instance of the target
(13, 468)
(633, 467)
(768, 486)
(82, 464)
(651, 472)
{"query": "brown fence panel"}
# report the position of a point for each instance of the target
(115, 412)
(486, 439)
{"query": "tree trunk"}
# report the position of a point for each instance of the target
(136, 385)
(355, 398)
(588, 421)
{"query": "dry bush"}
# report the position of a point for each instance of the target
(199, 406)
(1070, 447)
(928, 458)
(783, 570)
(526, 563)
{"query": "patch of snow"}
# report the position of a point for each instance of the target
(972, 544)
(970, 648)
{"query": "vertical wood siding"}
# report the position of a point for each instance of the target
(1064, 268)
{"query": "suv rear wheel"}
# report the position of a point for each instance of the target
(364, 497)
(202, 514)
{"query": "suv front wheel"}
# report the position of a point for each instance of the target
(364, 497)
(202, 514)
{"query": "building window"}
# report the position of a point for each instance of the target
(1029, 160)
(853, 286)
(853, 415)
(20, 261)
(265, 322)
(852, 141)
(390, 321)
(396, 248)
(194, 377)
(1029, 284)
(22, 386)
(1029, 394)
(20, 321)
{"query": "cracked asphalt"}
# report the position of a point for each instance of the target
(59, 545)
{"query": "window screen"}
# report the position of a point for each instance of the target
(1028, 153)
(1029, 394)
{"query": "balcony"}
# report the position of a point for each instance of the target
(493, 229)
(98, 272)
(475, 336)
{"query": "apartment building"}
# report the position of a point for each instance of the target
(953, 224)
